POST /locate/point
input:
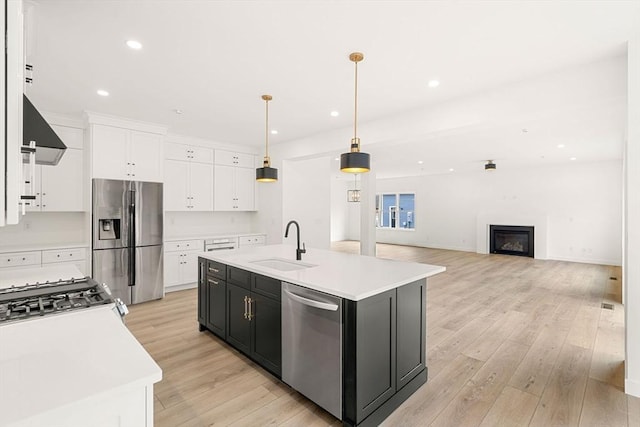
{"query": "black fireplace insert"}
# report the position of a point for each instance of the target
(511, 240)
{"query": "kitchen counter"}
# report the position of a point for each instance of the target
(41, 247)
(64, 359)
(38, 275)
(73, 368)
(350, 276)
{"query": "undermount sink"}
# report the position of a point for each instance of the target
(282, 264)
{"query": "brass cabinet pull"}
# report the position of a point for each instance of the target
(245, 307)
(213, 282)
(250, 315)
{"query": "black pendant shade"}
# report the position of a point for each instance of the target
(355, 162)
(266, 174)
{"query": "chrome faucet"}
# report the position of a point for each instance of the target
(299, 251)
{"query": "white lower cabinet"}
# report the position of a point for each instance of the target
(181, 262)
(252, 240)
(75, 256)
(130, 407)
(30, 259)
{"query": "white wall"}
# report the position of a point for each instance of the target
(582, 204)
(631, 266)
(307, 199)
(204, 224)
(339, 209)
(46, 228)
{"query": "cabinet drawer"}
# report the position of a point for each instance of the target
(266, 286)
(252, 240)
(216, 269)
(17, 259)
(184, 245)
(62, 255)
(239, 277)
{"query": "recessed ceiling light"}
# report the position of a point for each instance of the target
(177, 111)
(560, 145)
(525, 130)
(573, 158)
(334, 114)
(451, 169)
(420, 162)
(336, 159)
(134, 44)
(102, 92)
(274, 132)
(433, 83)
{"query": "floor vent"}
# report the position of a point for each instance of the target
(613, 278)
(607, 306)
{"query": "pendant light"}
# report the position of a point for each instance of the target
(266, 173)
(354, 195)
(355, 161)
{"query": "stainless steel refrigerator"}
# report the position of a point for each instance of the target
(127, 238)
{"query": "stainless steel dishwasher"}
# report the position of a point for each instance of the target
(312, 345)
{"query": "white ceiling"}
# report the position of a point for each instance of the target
(214, 59)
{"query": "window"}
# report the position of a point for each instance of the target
(395, 210)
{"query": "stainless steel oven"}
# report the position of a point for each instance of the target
(220, 244)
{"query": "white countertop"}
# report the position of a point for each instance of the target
(212, 236)
(38, 274)
(350, 276)
(65, 358)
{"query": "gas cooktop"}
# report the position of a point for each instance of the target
(40, 299)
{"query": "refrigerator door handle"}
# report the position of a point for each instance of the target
(132, 238)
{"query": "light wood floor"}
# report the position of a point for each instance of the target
(511, 342)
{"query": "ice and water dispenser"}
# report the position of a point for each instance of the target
(109, 229)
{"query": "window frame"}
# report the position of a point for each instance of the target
(380, 218)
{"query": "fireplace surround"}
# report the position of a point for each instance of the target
(511, 240)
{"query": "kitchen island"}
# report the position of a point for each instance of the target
(243, 298)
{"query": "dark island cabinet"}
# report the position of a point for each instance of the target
(244, 309)
(238, 323)
(383, 352)
(216, 309)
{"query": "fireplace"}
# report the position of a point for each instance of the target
(511, 240)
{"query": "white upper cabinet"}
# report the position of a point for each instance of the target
(190, 153)
(230, 158)
(12, 72)
(58, 188)
(234, 181)
(188, 178)
(123, 150)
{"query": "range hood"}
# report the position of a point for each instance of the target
(49, 146)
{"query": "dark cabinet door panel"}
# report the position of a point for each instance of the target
(266, 286)
(216, 316)
(238, 327)
(411, 330)
(239, 277)
(202, 293)
(267, 333)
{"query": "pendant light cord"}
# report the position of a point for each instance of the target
(266, 130)
(355, 113)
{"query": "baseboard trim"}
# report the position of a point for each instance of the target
(632, 387)
(180, 287)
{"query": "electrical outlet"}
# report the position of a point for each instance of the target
(27, 225)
